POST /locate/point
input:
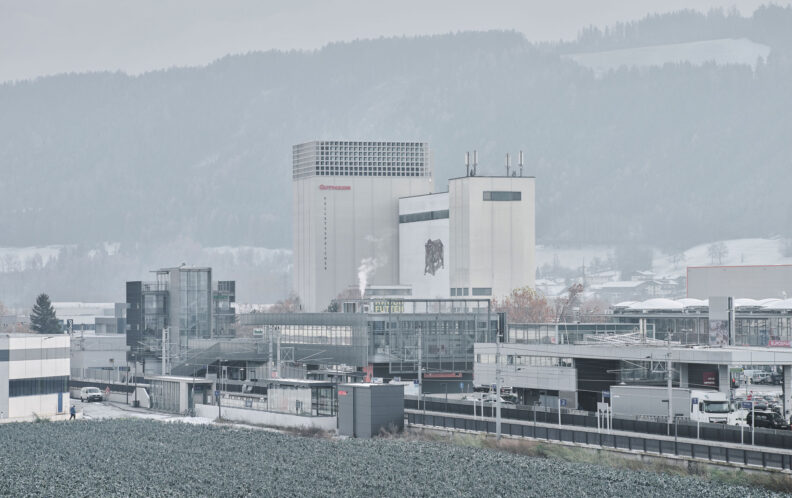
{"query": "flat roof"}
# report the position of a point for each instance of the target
(180, 378)
(491, 176)
(732, 355)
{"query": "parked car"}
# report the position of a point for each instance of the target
(91, 394)
(767, 419)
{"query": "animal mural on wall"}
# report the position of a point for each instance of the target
(434, 256)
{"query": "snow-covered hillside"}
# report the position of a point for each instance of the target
(738, 252)
(722, 52)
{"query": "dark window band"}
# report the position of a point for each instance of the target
(425, 216)
(37, 386)
(498, 195)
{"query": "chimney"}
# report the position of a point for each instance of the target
(507, 164)
(467, 163)
(475, 161)
(521, 163)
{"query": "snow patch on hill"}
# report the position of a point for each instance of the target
(724, 51)
(738, 252)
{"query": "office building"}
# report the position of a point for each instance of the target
(346, 197)
(182, 303)
(34, 375)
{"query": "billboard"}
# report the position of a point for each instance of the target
(721, 320)
(718, 332)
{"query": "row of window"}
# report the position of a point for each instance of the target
(425, 216)
(527, 360)
(494, 195)
(475, 291)
(38, 386)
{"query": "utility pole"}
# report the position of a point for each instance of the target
(136, 362)
(670, 389)
(270, 362)
(277, 330)
(497, 386)
(420, 368)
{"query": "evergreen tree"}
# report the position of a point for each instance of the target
(43, 319)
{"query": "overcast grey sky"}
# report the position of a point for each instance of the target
(55, 36)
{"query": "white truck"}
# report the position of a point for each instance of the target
(695, 404)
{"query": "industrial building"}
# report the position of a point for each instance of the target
(98, 318)
(707, 341)
(345, 209)
(492, 235)
(365, 214)
(430, 341)
(181, 304)
(34, 375)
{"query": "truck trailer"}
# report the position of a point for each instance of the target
(695, 404)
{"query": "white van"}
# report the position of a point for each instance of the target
(91, 394)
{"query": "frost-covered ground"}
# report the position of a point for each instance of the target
(108, 410)
(145, 458)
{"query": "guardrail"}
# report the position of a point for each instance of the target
(770, 459)
(686, 429)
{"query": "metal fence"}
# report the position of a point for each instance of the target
(711, 452)
(684, 428)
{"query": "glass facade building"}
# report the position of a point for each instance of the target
(182, 300)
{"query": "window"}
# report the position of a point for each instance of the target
(37, 386)
(482, 291)
(497, 195)
(453, 291)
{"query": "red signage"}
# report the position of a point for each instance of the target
(709, 378)
(779, 344)
(342, 393)
(335, 187)
(443, 375)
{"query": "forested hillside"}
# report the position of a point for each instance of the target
(669, 156)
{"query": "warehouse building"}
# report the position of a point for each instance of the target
(34, 375)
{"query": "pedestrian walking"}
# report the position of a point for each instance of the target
(73, 412)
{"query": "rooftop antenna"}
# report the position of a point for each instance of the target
(475, 161)
(508, 160)
(521, 163)
(467, 163)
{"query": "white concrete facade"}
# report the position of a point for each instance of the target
(493, 235)
(34, 375)
(346, 204)
(423, 261)
(753, 282)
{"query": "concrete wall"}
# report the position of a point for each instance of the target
(266, 418)
(753, 282)
(338, 222)
(412, 246)
(492, 242)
